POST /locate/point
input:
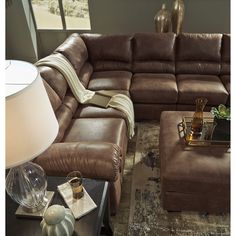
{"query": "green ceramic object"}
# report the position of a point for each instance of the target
(57, 221)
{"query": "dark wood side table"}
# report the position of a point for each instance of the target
(89, 225)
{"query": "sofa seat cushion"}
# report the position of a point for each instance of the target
(194, 86)
(110, 80)
(111, 130)
(125, 92)
(154, 88)
(91, 111)
(88, 111)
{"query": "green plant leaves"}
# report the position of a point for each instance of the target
(222, 112)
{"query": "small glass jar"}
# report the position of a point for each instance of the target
(75, 180)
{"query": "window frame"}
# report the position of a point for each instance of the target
(63, 20)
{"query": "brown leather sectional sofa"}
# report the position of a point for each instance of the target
(158, 71)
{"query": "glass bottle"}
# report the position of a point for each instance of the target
(197, 121)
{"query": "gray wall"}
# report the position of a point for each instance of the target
(21, 43)
(130, 16)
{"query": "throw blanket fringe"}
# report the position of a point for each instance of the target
(123, 103)
(118, 101)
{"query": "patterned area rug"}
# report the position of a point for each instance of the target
(146, 216)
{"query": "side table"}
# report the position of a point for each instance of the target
(91, 224)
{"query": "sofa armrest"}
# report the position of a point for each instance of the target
(98, 160)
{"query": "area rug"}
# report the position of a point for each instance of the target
(146, 216)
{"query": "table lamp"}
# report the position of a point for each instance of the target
(31, 127)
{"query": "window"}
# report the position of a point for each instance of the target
(61, 14)
(76, 13)
(47, 14)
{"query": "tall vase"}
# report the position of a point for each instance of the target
(163, 20)
(197, 121)
(177, 16)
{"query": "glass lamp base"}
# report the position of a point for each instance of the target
(38, 211)
(26, 184)
(38, 208)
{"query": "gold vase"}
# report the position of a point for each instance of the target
(163, 20)
(197, 121)
(177, 16)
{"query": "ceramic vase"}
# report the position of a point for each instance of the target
(163, 20)
(57, 220)
(177, 16)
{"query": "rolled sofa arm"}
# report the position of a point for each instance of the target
(98, 160)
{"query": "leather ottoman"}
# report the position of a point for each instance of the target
(192, 178)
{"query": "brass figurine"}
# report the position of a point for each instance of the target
(163, 20)
(177, 16)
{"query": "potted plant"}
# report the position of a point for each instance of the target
(222, 122)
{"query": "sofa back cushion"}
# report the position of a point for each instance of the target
(63, 102)
(85, 74)
(75, 51)
(225, 52)
(55, 80)
(109, 52)
(198, 53)
(53, 96)
(64, 115)
(154, 53)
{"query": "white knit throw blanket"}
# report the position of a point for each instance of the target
(118, 101)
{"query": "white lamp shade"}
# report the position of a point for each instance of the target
(31, 125)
